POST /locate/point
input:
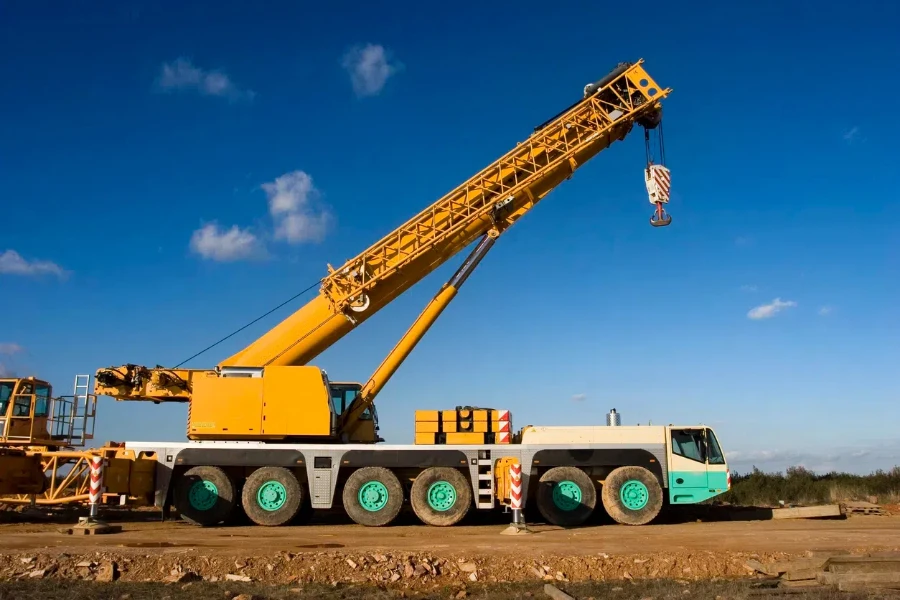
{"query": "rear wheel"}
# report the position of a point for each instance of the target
(566, 496)
(205, 496)
(441, 496)
(373, 496)
(272, 496)
(632, 495)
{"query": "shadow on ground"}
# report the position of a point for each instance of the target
(657, 589)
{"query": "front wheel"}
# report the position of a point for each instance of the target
(373, 496)
(205, 496)
(566, 496)
(272, 496)
(441, 496)
(632, 495)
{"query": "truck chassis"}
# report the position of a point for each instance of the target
(323, 472)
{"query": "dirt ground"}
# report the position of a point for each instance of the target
(419, 560)
(176, 537)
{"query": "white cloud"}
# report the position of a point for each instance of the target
(749, 288)
(9, 348)
(766, 311)
(213, 243)
(369, 68)
(825, 310)
(294, 205)
(12, 263)
(579, 397)
(181, 74)
(851, 134)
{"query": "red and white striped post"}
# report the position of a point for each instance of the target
(96, 489)
(515, 493)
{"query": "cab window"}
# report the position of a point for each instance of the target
(715, 451)
(41, 401)
(689, 443)
(6, 390)
(337, 400)
(22, 406)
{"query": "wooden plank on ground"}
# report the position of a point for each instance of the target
(802, 574)
(863, 564)
(858, 581)
(807, 512)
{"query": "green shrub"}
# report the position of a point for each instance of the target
(800, 486)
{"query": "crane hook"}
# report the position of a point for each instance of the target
(660, 218)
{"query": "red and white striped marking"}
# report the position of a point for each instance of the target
(96, 491)
(504, 427)
(515, 486)
(659, 181)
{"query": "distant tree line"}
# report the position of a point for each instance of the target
(798, 485)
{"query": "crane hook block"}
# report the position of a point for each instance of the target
(658, 180)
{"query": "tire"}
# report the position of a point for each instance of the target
(566, 496)
(441, 496)
(632, 495)
(272, 496)
(205, 496)
(373, 496)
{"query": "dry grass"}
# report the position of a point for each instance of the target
(800, 486)
(656, 589)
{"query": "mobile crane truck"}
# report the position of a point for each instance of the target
(274, 437)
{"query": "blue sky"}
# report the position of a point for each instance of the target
(142, 143)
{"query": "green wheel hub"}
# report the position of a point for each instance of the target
(271, 496)
(373, 496)
(567, 495)
(634, 494)
(203, 495)
(441, 496)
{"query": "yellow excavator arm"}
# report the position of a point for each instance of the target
(482, 207)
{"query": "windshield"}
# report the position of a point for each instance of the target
(342, 396)
(715, 451)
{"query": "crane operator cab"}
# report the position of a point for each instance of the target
(342, 395)
(24, 411)
(277, 404)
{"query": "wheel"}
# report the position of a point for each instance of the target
(566, 496)
(272, 496)
(205, 495)
(373, 496)
(632, 495)
(441, 496)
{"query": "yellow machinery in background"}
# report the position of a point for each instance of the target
(268, 392)
(42, 460)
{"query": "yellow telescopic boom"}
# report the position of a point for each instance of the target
(491, 200)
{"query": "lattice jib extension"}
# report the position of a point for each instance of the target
(508, 184)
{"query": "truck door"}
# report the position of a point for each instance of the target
(688, 479)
